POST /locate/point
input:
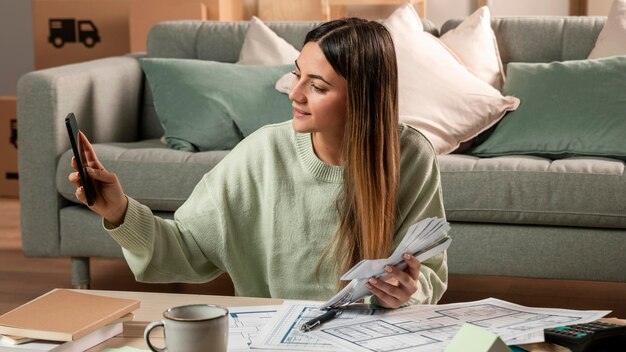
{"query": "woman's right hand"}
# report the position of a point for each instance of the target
(110, 202)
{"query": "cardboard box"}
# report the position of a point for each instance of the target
(8, 147)
(225, 10)
(291, 10)
(144, 14)
(70, 31)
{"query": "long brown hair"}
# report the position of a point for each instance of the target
(362, 52)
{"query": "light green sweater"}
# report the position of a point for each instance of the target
(265, 214)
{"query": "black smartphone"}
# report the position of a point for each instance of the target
(81, 159)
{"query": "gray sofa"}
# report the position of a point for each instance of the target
(517, 216)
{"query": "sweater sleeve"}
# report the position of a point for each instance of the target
(202, 241)
(420, 197)
(160, 250)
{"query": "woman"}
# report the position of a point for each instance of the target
(295, 205)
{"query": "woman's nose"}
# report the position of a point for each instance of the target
(296, 92)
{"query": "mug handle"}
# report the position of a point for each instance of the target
(146, 335)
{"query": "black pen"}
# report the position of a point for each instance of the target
(309, 325)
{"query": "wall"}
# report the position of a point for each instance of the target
(529, 7)
(440, 11)
(16, 43)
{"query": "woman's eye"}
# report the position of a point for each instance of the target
(318, 89)
(295, 74)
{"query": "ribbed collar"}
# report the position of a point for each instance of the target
(311, 163)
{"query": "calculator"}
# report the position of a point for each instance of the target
(594, 336)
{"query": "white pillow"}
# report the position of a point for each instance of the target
(261, 46)
(437, 94)
(474, 43)
(283, 84)
(612, 38)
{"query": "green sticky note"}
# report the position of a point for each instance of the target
(472, 338)
(124, 349)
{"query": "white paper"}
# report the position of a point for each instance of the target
(418, 237)
(424, 239)
(432, 327)
(533, 337)
(244, 323)
(283, 331)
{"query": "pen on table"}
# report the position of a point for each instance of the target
(330, 314)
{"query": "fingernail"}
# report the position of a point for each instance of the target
(373, 281)
(368, 285)
(387, 268)
(407, 256)
(89, 170)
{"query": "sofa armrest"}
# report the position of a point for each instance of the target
(105, 95)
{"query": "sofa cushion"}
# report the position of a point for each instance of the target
(542, 38)
(207, 105)
(262, 46)
(152, 173)
(222, 40)
(577, 192)
(568, 108)
(545, 252)
(585, 192)
(436, 93)
(474, 43)
(214, 41)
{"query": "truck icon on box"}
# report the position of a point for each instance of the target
(66, 30)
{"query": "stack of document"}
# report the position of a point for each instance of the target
(64, 320)
(424, 239)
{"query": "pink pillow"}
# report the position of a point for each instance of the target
(612, 38)
(261, 46)
(438, 95)
(474, 43)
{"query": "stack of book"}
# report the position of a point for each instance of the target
(64, 320)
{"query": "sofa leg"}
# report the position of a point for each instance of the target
(80, 273)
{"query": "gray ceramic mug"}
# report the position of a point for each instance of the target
(192, 328)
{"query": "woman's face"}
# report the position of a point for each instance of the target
(318, 95)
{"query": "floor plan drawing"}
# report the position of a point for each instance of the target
(283, 333)
(245, 323)
(431, 328)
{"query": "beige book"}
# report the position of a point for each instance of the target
(84, 343)
(18, 340)
(64, 315)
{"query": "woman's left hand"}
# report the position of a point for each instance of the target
(398, 289)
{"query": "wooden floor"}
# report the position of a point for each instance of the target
(22, 279)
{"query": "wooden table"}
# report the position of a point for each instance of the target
(154, 304)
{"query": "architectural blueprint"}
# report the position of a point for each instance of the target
(245, 323)
(283, 331)
(432, 327)
(415, 328)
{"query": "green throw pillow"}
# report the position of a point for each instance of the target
(206, 105)
(567, 108)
